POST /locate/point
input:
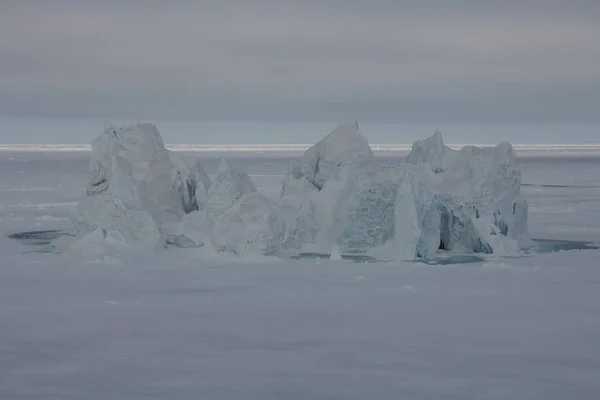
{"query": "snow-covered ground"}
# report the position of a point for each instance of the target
(179, 328)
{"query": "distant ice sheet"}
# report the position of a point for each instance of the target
(521, 149)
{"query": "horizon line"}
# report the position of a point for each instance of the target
(291, 147)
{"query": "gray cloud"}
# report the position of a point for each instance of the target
(418, 61)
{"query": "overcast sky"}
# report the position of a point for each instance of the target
(421, 61)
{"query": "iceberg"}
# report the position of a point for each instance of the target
(344, 148)
(313, 187)
(246, 227)
(439, 200)
(432, 151)
(105, 225)
(142, 198)
(364, 217)
(202, 183)
(135, 186)
(228, 188)
(136, 156)
(295, 215)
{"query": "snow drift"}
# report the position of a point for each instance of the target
(143, 198)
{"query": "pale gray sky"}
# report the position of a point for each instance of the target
(421, 61)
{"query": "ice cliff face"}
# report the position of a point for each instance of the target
(364, 217)
(143, 198)
(439, 200)
(314, 185)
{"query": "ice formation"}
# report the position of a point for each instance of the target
(227, 189)
(246, 227)
(344, 148)
(295, 214)
(313, 187)
(364, 216)
(432, 151)
(143, 198)
(105, 225)
(467, 201)
(136, 185)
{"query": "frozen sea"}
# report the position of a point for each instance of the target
(174, 327)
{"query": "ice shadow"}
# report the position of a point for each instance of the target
(541, 246)
(359, 258)
(45, 238)
(38, 238)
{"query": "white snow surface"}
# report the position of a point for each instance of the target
(179, 324)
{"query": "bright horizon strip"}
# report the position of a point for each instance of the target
(293, 148)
